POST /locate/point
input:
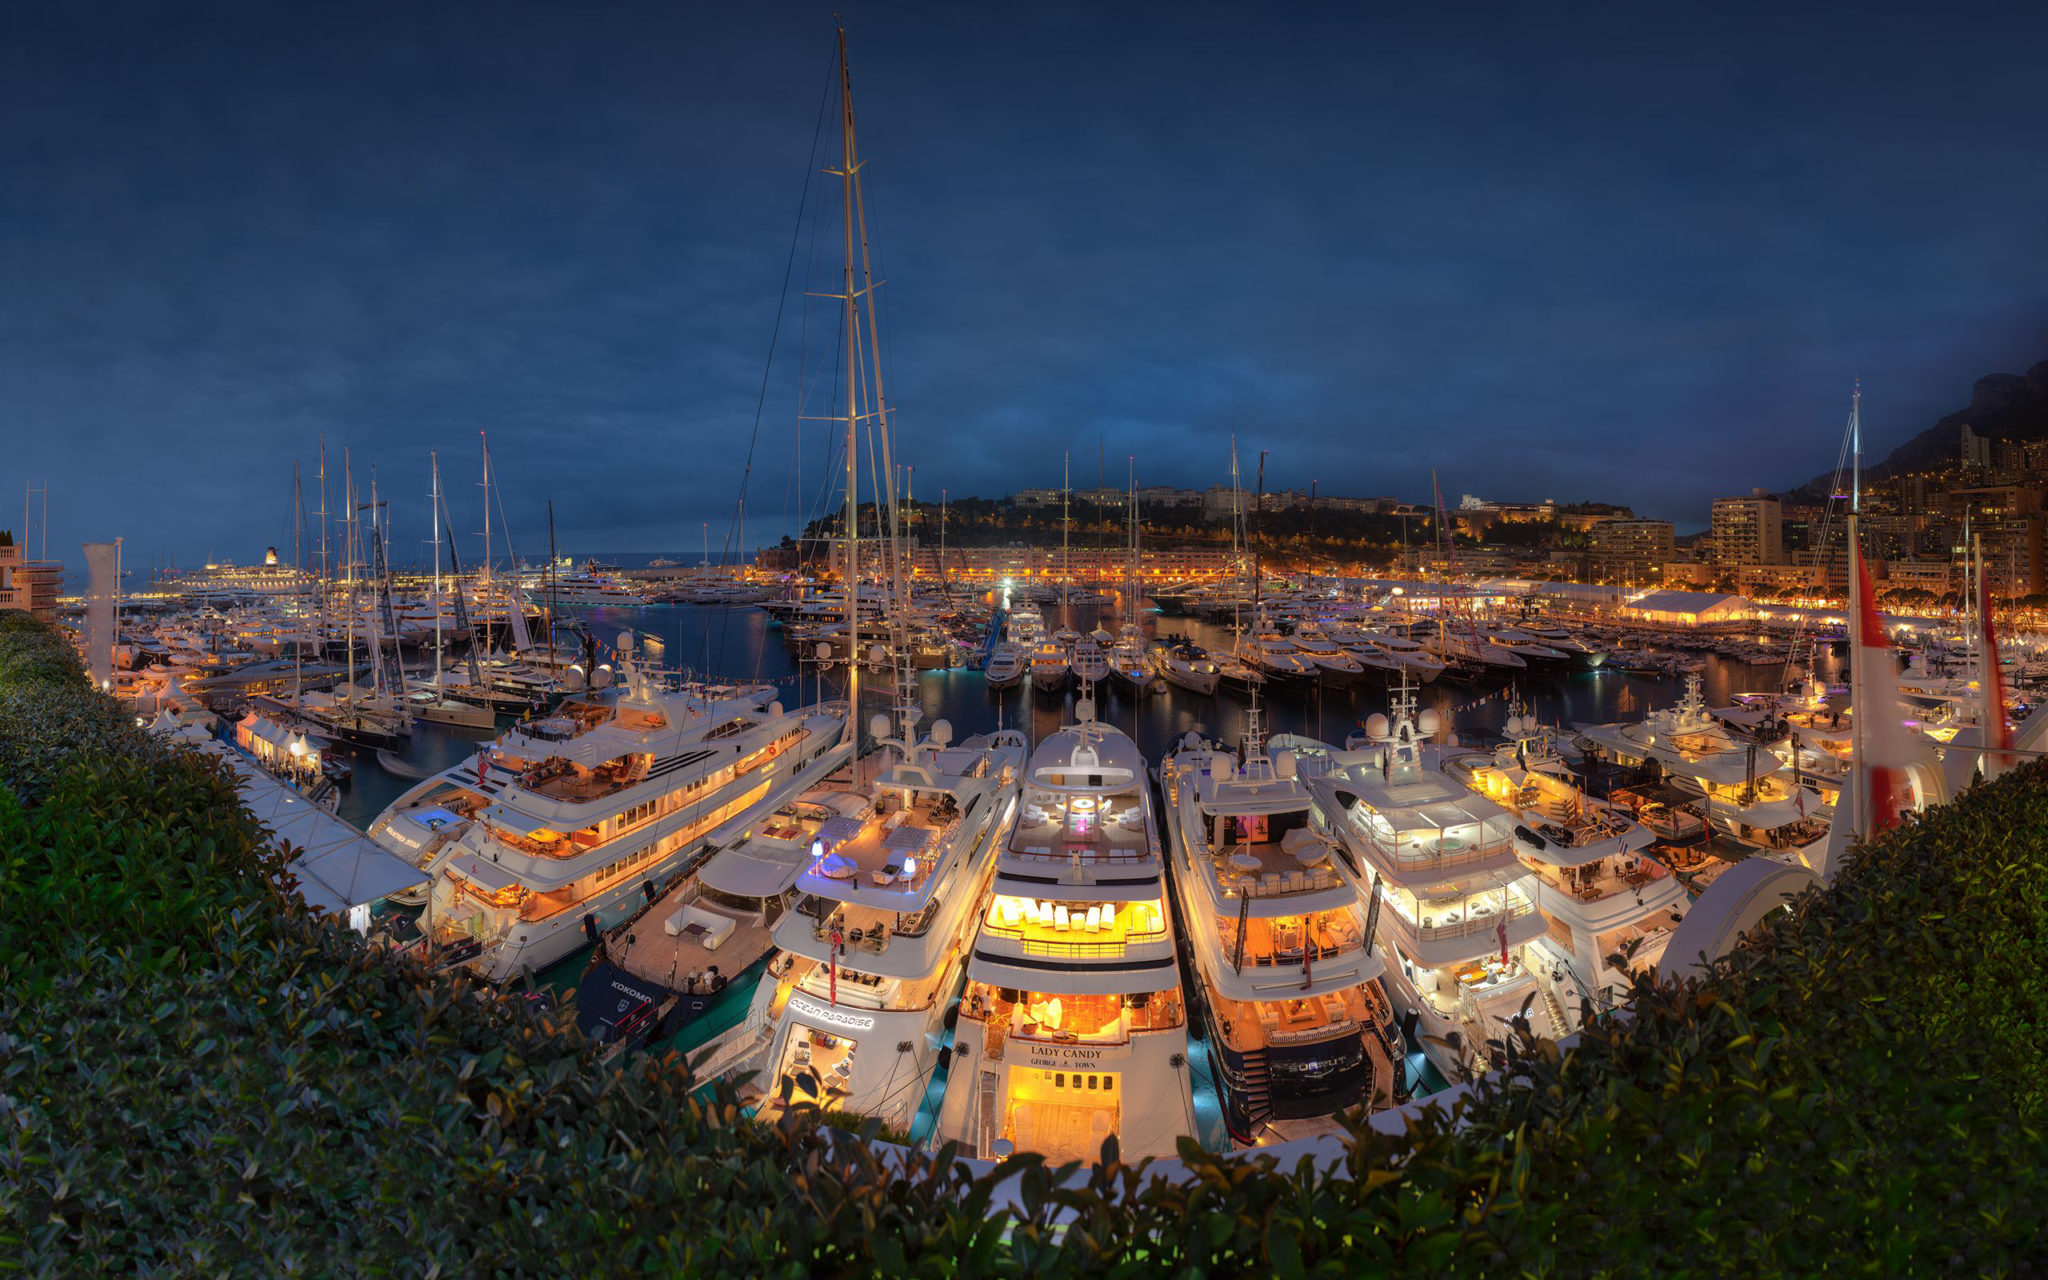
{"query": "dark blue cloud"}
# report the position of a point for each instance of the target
(1587, 252)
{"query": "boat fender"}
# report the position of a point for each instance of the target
(590, 926)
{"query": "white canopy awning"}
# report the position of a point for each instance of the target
(337, 866)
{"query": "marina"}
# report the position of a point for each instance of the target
(614, 666)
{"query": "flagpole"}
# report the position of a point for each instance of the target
(1858, 696)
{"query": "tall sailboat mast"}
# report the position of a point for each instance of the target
(849, 164)
(298, 566)
(349, 542)
(434, 460)
(483, 572)
(1856, 447)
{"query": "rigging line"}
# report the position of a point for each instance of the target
(737, 529)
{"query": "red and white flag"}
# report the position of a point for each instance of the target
(1884, 746)
(1997, 735)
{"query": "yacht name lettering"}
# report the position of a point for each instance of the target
(1058, 1056)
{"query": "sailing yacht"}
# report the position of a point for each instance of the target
(1289, 978)
(568, 824)
(1073, 1028)
(1454, 906)
(430, 702)
(893, 874)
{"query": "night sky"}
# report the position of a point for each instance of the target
(1597, 252)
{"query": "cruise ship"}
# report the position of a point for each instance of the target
(566, 824)
(1290, 997)
(1601, 894)
(1073, 1028)
(1453, 905)
(889, 896)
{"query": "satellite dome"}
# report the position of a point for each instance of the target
(1450, 739)
(877, 654)
(1284, 765)
(824, 651)
(879, 725)
(774, 708)
(1084, 709)
(1429, 721)
(942, 732)
(1514, 724)
(1376, 726)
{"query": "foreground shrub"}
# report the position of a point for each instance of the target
(197, 1077)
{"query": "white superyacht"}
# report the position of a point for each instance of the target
(567, 824)
(1073, 1027)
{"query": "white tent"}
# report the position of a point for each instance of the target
(338, 868)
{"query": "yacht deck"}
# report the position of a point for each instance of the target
(1109, 829)
(648, 950)
(1594, 881)
(895, 847)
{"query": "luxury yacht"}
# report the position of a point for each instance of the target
(1005, 665)
(1742, 787)
(1049, 666)
(1129, 662)
(1389, 654)
(1456, 907)
(568, 824)
(1289, 992)
(1602, 896)
(1089, 663)
(582, 589)
(1275, 656)
(1474, 653)
(1334, 665)
(1073, 1028)
(890, 893)
(1188, 665)
(1526, 647)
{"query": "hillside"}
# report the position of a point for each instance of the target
(2003, 406)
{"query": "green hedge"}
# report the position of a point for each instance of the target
(196, 1078)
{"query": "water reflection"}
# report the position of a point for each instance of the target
(741, 644)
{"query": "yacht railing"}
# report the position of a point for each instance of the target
(1433, 854)
(1470, 925)
(1093, 949)
(1091, 854)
